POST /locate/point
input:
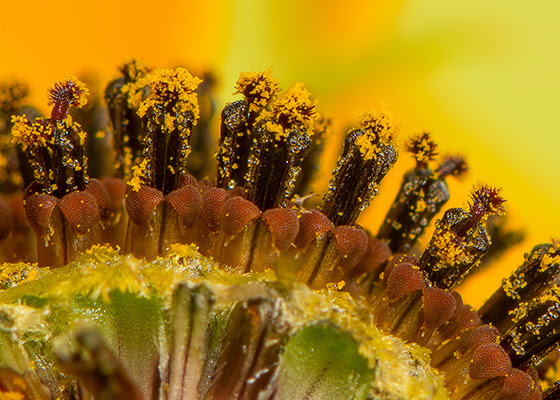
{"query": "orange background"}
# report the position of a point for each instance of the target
(481, 76)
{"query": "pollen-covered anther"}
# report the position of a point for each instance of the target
(267, 267)
(38, 209)
(187, 202)
(31, 134)
(141, 205)
(517, 386)
(454, 165)
(293, 109)
(402, 280)
(126, 124)
(236, 213)
(485, 201)
(438, 306)
(537, 273)
(379, 127)
(423, 148)
(169, 111)
(66, 93)
(368, 155)
(212, 201)
(55, 150)
(283, 225)
(457, 245)
(133, 70)
(351, 244)
(258, 88)
(171, 88)
(310, 168)
(488, 361)
(421, 196)
(281, 141)
(235, 144)
(311, 224)
(80, 210)
(536, 331)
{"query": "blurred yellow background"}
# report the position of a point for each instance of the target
(481, 76)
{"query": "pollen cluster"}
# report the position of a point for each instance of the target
(258, 88)
(168, 89)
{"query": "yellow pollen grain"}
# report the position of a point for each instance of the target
(72, 89)
(31, 134)
(421, 203)
(368, 150)
(336, 285)
(511, 286)
(138, 175)
(292, 110)
(448, 249)
(169, 123)
(423, 148)
(257, 87)
(379, 130)
(169, 88)
(552, 257)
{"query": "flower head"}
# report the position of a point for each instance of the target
(172, 286)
